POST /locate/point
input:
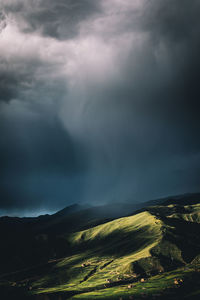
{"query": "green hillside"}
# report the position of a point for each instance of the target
(153, 252)
(105, 252)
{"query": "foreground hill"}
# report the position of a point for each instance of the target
(37, 240)
(153, 253)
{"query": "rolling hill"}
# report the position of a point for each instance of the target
(151, 253)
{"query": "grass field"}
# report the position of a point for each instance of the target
(136, 256)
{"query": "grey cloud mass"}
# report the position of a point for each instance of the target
(99, 101)
(57, 19)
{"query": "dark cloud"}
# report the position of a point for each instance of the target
(38, 144)
(22, 76)
(14, 80)
(58, 19)
(160, 77)
(8, 84)
(176, 27)
(110, 114)
(2, 21)
(172, 21)
(35, 153)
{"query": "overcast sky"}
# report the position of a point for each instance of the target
(99, 102)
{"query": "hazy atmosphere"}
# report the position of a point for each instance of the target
(99, 102)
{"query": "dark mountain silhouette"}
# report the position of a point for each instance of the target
(84, 248)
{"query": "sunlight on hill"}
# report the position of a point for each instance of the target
(142, 254)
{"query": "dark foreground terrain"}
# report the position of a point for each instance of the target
(146, 251)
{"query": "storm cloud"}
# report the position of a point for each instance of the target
(99, 101)
(58, 19)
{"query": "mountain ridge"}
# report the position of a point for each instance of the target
(100, 256)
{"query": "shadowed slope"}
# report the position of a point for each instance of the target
(155, 245)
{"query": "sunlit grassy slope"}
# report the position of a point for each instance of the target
(116, 253)
(105, 253)
(190, 213)
(110, 260)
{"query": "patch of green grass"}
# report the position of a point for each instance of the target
(162, 285)
(109, 257)
(104, 253)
